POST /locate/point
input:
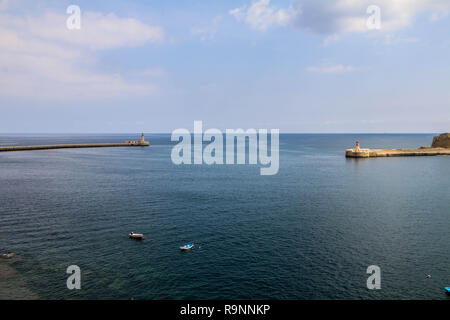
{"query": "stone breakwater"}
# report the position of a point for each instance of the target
(65, 146)
(374, 153)
(440, 146)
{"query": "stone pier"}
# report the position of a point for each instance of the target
(134, 143)
(436, 149)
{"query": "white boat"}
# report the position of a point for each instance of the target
(188, 246)
(137, 236)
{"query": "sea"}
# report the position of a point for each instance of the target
(309, 232)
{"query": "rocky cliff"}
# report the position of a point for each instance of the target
(442, 141)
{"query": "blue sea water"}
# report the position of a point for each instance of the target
(309, 232)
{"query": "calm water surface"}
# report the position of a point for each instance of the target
(308, 232)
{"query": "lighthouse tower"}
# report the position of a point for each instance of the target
(142, 142)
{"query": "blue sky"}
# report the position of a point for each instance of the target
(295, 65)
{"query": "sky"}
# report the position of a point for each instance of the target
(301, 66)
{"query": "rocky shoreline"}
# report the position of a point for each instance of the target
(13, 285)
(441, 141)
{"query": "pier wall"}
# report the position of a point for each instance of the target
(374, 153)
(66, 146)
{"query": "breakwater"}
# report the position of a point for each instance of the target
(439, 147)
(374, 153)
(65, 146)
(131, 143)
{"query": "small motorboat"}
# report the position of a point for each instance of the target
(188, 246)
(8, 255)
(447, 290)
(136, 236)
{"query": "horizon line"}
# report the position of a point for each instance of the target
(140, 132)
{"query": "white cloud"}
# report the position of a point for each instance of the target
(4, 4)
(391, 39)
(436, 16)
(98, 31)
(350, 15)
(340, 16)
(339, 68)
(41, 59)
(151, 72)
(331, 39)
(260, 15)
(207, 32)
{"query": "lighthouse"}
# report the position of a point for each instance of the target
(141, 142)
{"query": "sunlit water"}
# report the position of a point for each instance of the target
(309, 232)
